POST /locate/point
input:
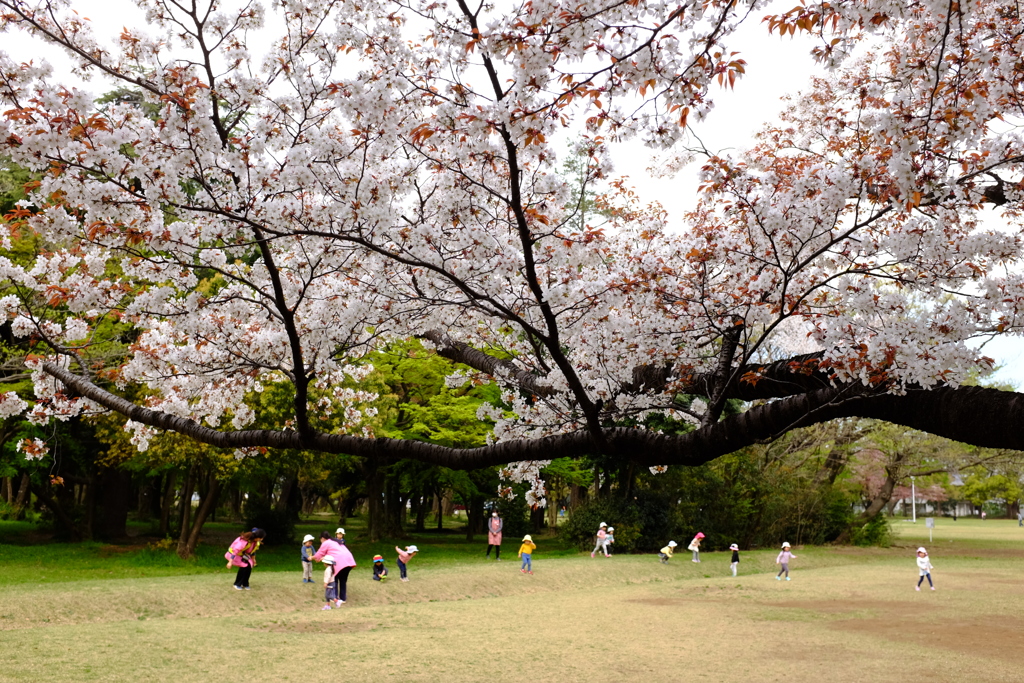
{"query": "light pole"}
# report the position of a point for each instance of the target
(913, 499)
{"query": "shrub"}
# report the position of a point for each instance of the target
(279, 524)
(875, 532)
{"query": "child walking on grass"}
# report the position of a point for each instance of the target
(695, 546)
(735, 558)
(526, 552)
(666, 552)
(609, 538)
(403, 559)
(784, 557)
(307, 558)
(601, 535)
(925, 566)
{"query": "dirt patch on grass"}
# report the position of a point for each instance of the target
(998, 637)
(853, 605)
(315, 627)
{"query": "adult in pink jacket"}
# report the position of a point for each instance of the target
(241, 555)
(343, 563)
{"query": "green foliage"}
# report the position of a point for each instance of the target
(877, 532)
(279, 524)
(643, 523)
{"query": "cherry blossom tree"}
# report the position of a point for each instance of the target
(387, 170)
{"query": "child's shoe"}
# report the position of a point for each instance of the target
(917, 588)
(778, 578)
(531, 574)
(591, 554)
(523, 571)
(787, 578)
(933, 587)
(238, 588)
(325, 607)
(339, 603)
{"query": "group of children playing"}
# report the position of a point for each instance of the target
(605, 539)
(338, 561)
(924, 564)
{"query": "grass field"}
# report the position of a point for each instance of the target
(849, 614)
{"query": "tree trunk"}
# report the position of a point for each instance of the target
(885, 494)
(474, 516)
(166, 503)
(393, 505)
(208, 503)
(577, 496)
(421, 512)
(58, 511)
(115, 498)
(21, 500)
(375, 503)
(185, 511)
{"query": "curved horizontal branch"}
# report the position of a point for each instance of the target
(499, 368)
(975, 415)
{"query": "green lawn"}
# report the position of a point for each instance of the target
(93, 613)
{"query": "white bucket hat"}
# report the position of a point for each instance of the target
(611, 528)
(734, 547)
(411, 549)
(922, 550)
(602, 524)
(339, 530)
(527, 537)
(786, 544)
(672, 544)
(307, 537)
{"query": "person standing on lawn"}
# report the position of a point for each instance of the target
(306, 552)
(734, 565)
(494, 526)
(342, 564)
(784, 557)
(924, 566)
(695, 546)
(601, 535)
(526, 552)
(241, 554)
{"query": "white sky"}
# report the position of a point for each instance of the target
(775, 67)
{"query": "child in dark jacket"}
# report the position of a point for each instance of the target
(734, 565)
(380, 572)
(307, 552)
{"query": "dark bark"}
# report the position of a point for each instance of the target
(375, 501)
(974, 415)
(114, 499)
(475, 516)
(185, 503)
(64, 520)
(884, 496)
(167, 503)
(187, 542)
(421, 512)
(21, 500)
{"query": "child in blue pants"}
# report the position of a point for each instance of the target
(526, 552)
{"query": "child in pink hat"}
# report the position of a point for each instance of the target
(924, 565)
(695, 546)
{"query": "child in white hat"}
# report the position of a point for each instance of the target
(404, 556)
(666, 553)
(601, 534)
(609, 538)
(925, 567)
(526, 552)
(735, 558)
(307, 558)
(784, 557)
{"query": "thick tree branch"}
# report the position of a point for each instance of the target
(984, 417)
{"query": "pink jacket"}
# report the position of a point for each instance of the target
(241, 548)
(337, 552)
